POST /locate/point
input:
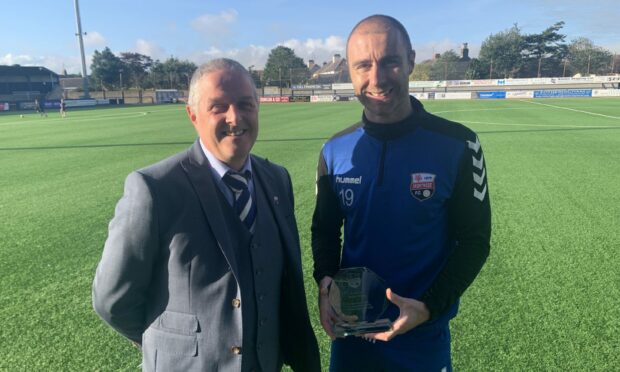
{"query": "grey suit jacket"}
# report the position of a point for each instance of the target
(168, 276)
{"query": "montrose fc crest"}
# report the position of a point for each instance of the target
(422, 185)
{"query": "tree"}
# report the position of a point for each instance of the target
(284, 67)
(136, 66)
(502, 53)
(585, 58)
(255, 76)
(106, 68)
(476, 70)
(544, 52)
(421, 71)
(179, 72)
(171, 74)
(157, 75)
(444, 67)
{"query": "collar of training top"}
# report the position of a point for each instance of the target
(392, 131)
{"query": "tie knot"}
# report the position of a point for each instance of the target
(236, 181)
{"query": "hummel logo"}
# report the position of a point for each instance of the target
(349, 180)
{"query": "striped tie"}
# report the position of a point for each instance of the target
(243, 204)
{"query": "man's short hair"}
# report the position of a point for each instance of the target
(212, 66)
(387, 20)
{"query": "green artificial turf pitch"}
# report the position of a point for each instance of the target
(547, 299)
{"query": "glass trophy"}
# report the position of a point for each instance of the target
(357, 296)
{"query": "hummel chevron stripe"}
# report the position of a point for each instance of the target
(480, 194)
(478, 163)
(474, 146)
(480, 178)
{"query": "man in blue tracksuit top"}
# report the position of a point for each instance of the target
(411, 191)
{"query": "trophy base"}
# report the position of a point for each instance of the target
(356, 329)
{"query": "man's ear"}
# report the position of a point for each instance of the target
(412, 60)
(191, 114)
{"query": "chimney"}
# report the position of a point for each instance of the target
(464, 52)
(336, 58)
(310, 63)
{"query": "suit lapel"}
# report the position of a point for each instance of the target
(198, 171)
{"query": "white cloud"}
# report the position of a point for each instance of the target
(54, 63)
(150, 49)
(319, 50)
(73, 65)
(253, 55)
(94, 39)
(10, 59)
(216, 28)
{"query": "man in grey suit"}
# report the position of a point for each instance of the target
(202, 265)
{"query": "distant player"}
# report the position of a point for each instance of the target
(40, 108)
(63, 108)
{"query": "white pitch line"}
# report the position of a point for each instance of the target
(537, 125)
(73, 119)
(30, 119)
(475, 110)
(571, 109)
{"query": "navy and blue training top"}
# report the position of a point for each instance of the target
(414, 202)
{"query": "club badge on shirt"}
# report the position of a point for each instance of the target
(422, 185)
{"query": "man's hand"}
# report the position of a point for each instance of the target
(327, 315)
(412, 314)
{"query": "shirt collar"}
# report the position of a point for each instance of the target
(220, 168)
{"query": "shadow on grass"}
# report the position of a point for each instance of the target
(281, 139)
(143, 144)
(92, 146)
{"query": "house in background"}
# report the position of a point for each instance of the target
(313, 67)
(462, 65)
(335, 71)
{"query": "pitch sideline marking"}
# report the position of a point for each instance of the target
(529, 125)
(535, 125)
(31, 120)
(570, 109)
(479, 109)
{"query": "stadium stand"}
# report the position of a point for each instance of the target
(22, 84)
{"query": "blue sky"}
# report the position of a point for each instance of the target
(42, 32)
